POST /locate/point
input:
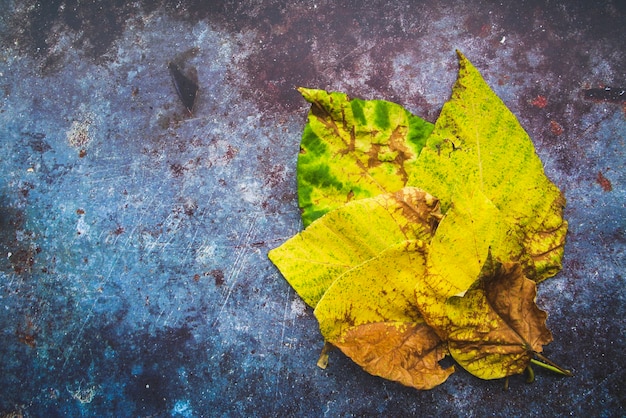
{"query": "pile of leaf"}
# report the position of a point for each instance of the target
(425, 240)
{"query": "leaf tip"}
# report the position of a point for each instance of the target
(308, 93)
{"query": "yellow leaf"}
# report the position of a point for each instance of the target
(379, 290)
(369, 312)
(351, 235)
(469, 232)
(478, 144)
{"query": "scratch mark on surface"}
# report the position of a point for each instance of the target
(237, 265)
(192, 241)
(103, 284)
(81, 329)
(593, 391)
(277, 393)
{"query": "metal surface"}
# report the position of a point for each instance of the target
(133, 272)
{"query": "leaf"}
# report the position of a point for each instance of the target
(378, 290)
(395, 284)
(353, 149)
(462, 242)
(351, 235)
(407, 353)
(458, 252)
(505, 327)
(370, 314)
(478, 143)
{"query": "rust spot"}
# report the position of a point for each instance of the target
(82, 153)
(26, 334)
(604, 182)
(218, 275)
(556, 128)
(231, 152)
(196, 278)
(177, 169)
(274, 175)
(540, 102)
(80, 133)
(80, 211)
(26, 188)
(23, 259)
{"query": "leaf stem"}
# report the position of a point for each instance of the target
(531, 374)
(547, 364)
(322, 363)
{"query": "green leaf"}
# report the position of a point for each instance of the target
(478, 144)
(351, 235)
(354, 149)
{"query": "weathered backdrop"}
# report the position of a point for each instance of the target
(133, 238)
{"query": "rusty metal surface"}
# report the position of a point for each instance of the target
(134, 278)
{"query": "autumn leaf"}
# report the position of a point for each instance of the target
(464, 239)
(407, 353)
(478, 143)
(351, 235)
(378, 290)
(496, 327)
(394, 283)
(370, 314)
(353, 149)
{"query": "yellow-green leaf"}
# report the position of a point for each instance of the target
(478, 143)
(393, 285)
(496, 327)
(351, 235)
(471, 228)
(369, 312)
(379, 290)
(353, 149)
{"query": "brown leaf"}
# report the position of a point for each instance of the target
(496, 326)
(407, 353)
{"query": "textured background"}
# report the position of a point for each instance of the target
(133, 239)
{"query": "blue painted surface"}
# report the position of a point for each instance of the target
(134, 278)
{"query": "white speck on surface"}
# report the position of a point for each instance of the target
(298, 308)
(81, 226)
